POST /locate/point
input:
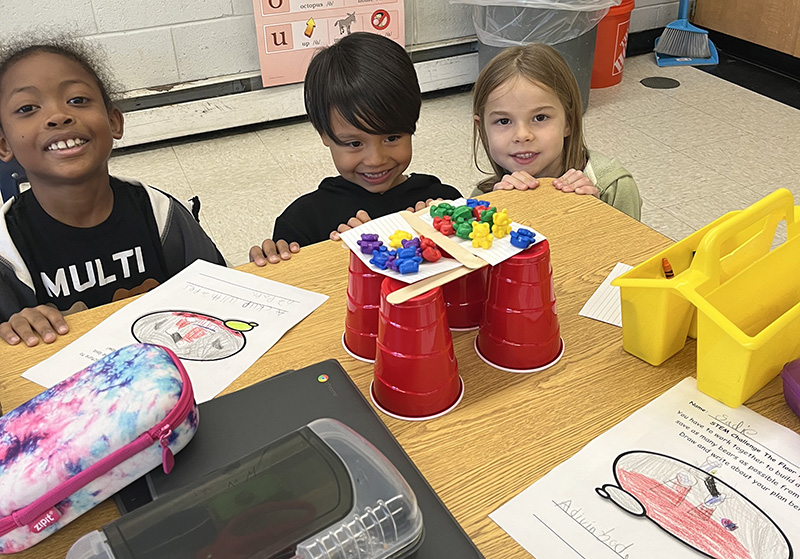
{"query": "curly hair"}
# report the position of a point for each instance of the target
(89, 56)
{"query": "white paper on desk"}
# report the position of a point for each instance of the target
(501, 249)
(218, 320)
(384, 227)
(675, 454)
(604, 304)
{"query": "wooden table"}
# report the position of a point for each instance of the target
(510, 429)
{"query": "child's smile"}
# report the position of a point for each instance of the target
(375, 162)
(525, 125)
(55, 122)
(525, 157)
(376, 178)
(69, 144)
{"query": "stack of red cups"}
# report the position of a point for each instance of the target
(519, 331)
(416, 373)
(363, 299)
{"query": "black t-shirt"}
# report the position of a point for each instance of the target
(311, 218)
(76, 268)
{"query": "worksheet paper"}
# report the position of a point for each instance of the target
(685, 476)
(604, 304)
(218, 320)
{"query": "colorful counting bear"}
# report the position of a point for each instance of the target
(380, 257)
(407, 261)
(462, 214)
(408, 252)
(444, 225)
(464, 229)
(413, 242)
(502, 224)
(481, 235)
(396, 239)
(487, 216)
(477, 210)
(522, 238)
(429, 251)
(369, 242)
(474, 202)
(408, 265)
(441, 210)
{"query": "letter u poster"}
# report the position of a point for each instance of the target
(290, 31)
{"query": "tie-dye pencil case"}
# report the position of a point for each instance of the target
(79, 442)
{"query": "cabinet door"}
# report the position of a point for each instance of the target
(770, 23)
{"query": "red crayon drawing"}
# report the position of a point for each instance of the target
(694, 506)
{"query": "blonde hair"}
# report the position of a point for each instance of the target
(543, 65)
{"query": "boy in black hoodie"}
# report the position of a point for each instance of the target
(363, 97)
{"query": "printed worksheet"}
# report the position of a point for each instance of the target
(685, 476)
(218, 320)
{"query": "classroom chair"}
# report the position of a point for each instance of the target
(11, 176)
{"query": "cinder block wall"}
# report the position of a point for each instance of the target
(154, 43)
(652, 14)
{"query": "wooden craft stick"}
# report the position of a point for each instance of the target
(413, 289)
(455, 250)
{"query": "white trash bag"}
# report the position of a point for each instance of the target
(509, 23)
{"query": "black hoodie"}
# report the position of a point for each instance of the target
(311, 218)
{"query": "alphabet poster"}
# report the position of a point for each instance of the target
(217, 320)
(685, 476)
(289, 31)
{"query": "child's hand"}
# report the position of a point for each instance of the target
(519, 180)
(43, 320)
(577, 182)
(422, 205)
(272, 252)
(360, 218)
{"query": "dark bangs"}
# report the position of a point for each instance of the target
(369, 80)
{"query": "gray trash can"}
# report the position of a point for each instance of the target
(571, 33)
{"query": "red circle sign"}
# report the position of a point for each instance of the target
(380, 19)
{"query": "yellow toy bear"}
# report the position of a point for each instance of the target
(481, 235)
(396, 239)
(502, 224)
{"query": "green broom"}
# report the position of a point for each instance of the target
(682, 39)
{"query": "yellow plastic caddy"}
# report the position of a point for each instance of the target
(746, 297)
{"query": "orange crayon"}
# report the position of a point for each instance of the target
(667, 268)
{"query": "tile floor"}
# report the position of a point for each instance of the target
(697, 151)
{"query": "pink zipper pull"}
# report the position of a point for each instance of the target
(167, 458)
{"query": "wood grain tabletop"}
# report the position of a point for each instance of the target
(510, 429)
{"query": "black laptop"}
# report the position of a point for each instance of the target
(236, 424)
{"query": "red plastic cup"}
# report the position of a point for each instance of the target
(363, 299)
(465, 298)
(519, 331)
(416, 373)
